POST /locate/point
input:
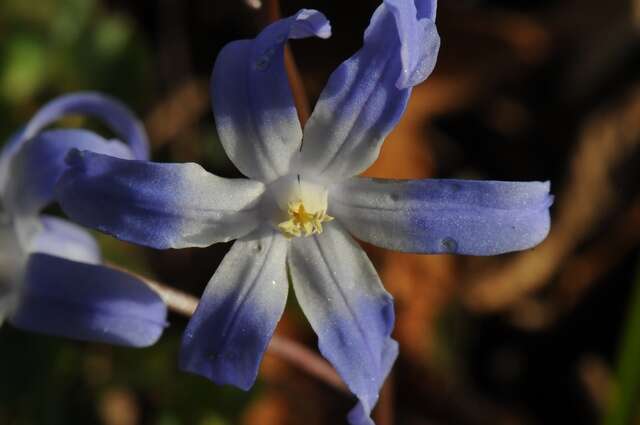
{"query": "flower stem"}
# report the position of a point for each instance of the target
(280, 346)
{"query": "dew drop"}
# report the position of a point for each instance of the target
(395, 197)
(449, 245)
(257, 247)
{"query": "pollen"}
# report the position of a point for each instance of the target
(301, 222)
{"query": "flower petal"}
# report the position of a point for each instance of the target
(64, 239)
(37, 166)
(157, 205)
(444, 216)
(6, 155)
(88, 302)
(252, 101)
(10, 257)
(366, 96)
(236, 317)
(343, 298)
(115, 114)
(11, 260)
(426, 9)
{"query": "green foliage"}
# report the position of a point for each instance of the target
(625, 397)
(53, 381)
(58, 46)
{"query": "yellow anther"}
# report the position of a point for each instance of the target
(301, 222)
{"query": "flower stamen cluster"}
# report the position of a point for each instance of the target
(301, 222)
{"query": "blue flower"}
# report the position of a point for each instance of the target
(53, 281)
(295, 212)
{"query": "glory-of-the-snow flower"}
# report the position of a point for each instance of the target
(295, 212)
(53, 281)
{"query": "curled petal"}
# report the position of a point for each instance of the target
(88, 302)
(236, 317)
(343, 299)
(366, 96)
(64, 239)
(444, 216)
(252, 101)
(157, 205)
(37, 166)
(115, 114)
(419, 40)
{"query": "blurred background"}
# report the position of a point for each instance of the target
(523, 90)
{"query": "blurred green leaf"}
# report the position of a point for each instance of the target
(111, 37)
(624, 402)
(70, 19)
(24, 66)
(213, 419)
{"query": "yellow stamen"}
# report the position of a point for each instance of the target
(301, 222)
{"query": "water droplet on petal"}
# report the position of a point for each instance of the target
(262, 64)
(449, 245)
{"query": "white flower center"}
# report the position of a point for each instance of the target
(302, 206)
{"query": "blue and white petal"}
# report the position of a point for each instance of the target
(236, 317)
(444, 216)
(37, 166)
(254, 109)
(6, 155)
(426, 9)
(343, 299)
(116, 115)
(366, 96)
(157, 205)
(87, 302)
(11, 260)
(64, 239)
